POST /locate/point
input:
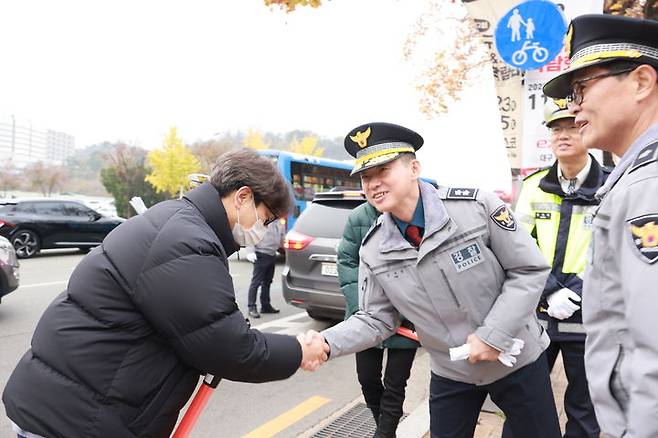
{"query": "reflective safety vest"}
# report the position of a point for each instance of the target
(562, 226)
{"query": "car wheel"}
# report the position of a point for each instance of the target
(26, 243)
(318, 316)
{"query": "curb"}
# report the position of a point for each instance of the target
(417, 424)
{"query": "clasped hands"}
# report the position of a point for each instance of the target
(315, 351)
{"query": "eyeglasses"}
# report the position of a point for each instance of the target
(272, 219)
(556, 130)
(576, 96)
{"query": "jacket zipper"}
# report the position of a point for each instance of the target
(452, 293)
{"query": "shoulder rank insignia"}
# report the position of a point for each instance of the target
(461, 193)
(503, 218)
(648, 155)
(372, 229)
(644, 233)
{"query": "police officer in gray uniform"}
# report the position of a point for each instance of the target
(455, 263)
(612, 88)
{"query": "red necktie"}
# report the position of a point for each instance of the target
(413, 234)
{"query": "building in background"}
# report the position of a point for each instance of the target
(22, 144)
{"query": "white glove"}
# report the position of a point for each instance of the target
(507, 358)
(251, 256)
(560, 305)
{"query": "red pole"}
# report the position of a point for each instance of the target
(408, 333)
(196, 407)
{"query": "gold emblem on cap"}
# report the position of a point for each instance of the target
(361, 138)
(567, 41)
(561, 103)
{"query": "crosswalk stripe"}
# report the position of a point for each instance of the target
(50, 283)
(288, 418)
(278, 322)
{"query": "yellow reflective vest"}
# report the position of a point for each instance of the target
(562, 226)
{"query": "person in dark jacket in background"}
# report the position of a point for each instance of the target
(263, 256)
(119, 353)
(384, 399)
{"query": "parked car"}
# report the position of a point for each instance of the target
(310, 278)
(9, 277)
(35, 224)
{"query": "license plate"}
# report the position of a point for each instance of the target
(329, 269)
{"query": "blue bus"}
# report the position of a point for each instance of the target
(308, 175)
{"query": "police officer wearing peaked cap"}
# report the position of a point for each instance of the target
(455, 264)
(612, 89)
(556, 206)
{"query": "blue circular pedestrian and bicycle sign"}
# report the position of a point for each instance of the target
(531, 34)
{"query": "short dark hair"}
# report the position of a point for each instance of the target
(616, 66)
(407, 157)
(245, 167)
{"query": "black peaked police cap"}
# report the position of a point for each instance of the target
(374, 144)
(600, 39)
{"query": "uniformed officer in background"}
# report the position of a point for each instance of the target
(556, 205)
(454, 262)
(612, 89)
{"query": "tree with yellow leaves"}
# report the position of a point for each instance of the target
(290, 5)
(254, 140)
(171, 164)
(307, 146)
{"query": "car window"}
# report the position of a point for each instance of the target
(49, 208)
(326, 219)
(26, 207)
(8, 208)
(75, 209)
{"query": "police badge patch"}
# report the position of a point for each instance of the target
(503, 218)
(644, 233)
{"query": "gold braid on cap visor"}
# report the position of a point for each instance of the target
(598, 52)
(381, 149)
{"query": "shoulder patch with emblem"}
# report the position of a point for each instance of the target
(648, 155)
(644, 233)
(502, 216)
(461, 193)
(372, 229)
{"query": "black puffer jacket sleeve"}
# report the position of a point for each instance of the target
(186, 293)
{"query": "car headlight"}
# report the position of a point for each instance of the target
(7, 253)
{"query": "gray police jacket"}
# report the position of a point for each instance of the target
(475, 271)
(620, 296)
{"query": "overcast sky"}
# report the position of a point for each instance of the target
(127, 70)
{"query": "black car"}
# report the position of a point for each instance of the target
(310, 278)
(8, 268)
(35, 224)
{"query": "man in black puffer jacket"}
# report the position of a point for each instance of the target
(119, 353)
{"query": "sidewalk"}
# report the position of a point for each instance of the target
(490, 425)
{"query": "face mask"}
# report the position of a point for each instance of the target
(251, 236)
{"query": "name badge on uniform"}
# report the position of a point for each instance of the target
(542, 215)
(466, 258)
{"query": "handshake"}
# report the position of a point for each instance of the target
(315, 350)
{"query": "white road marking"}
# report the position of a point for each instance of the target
(50, 283)
(281, 321)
